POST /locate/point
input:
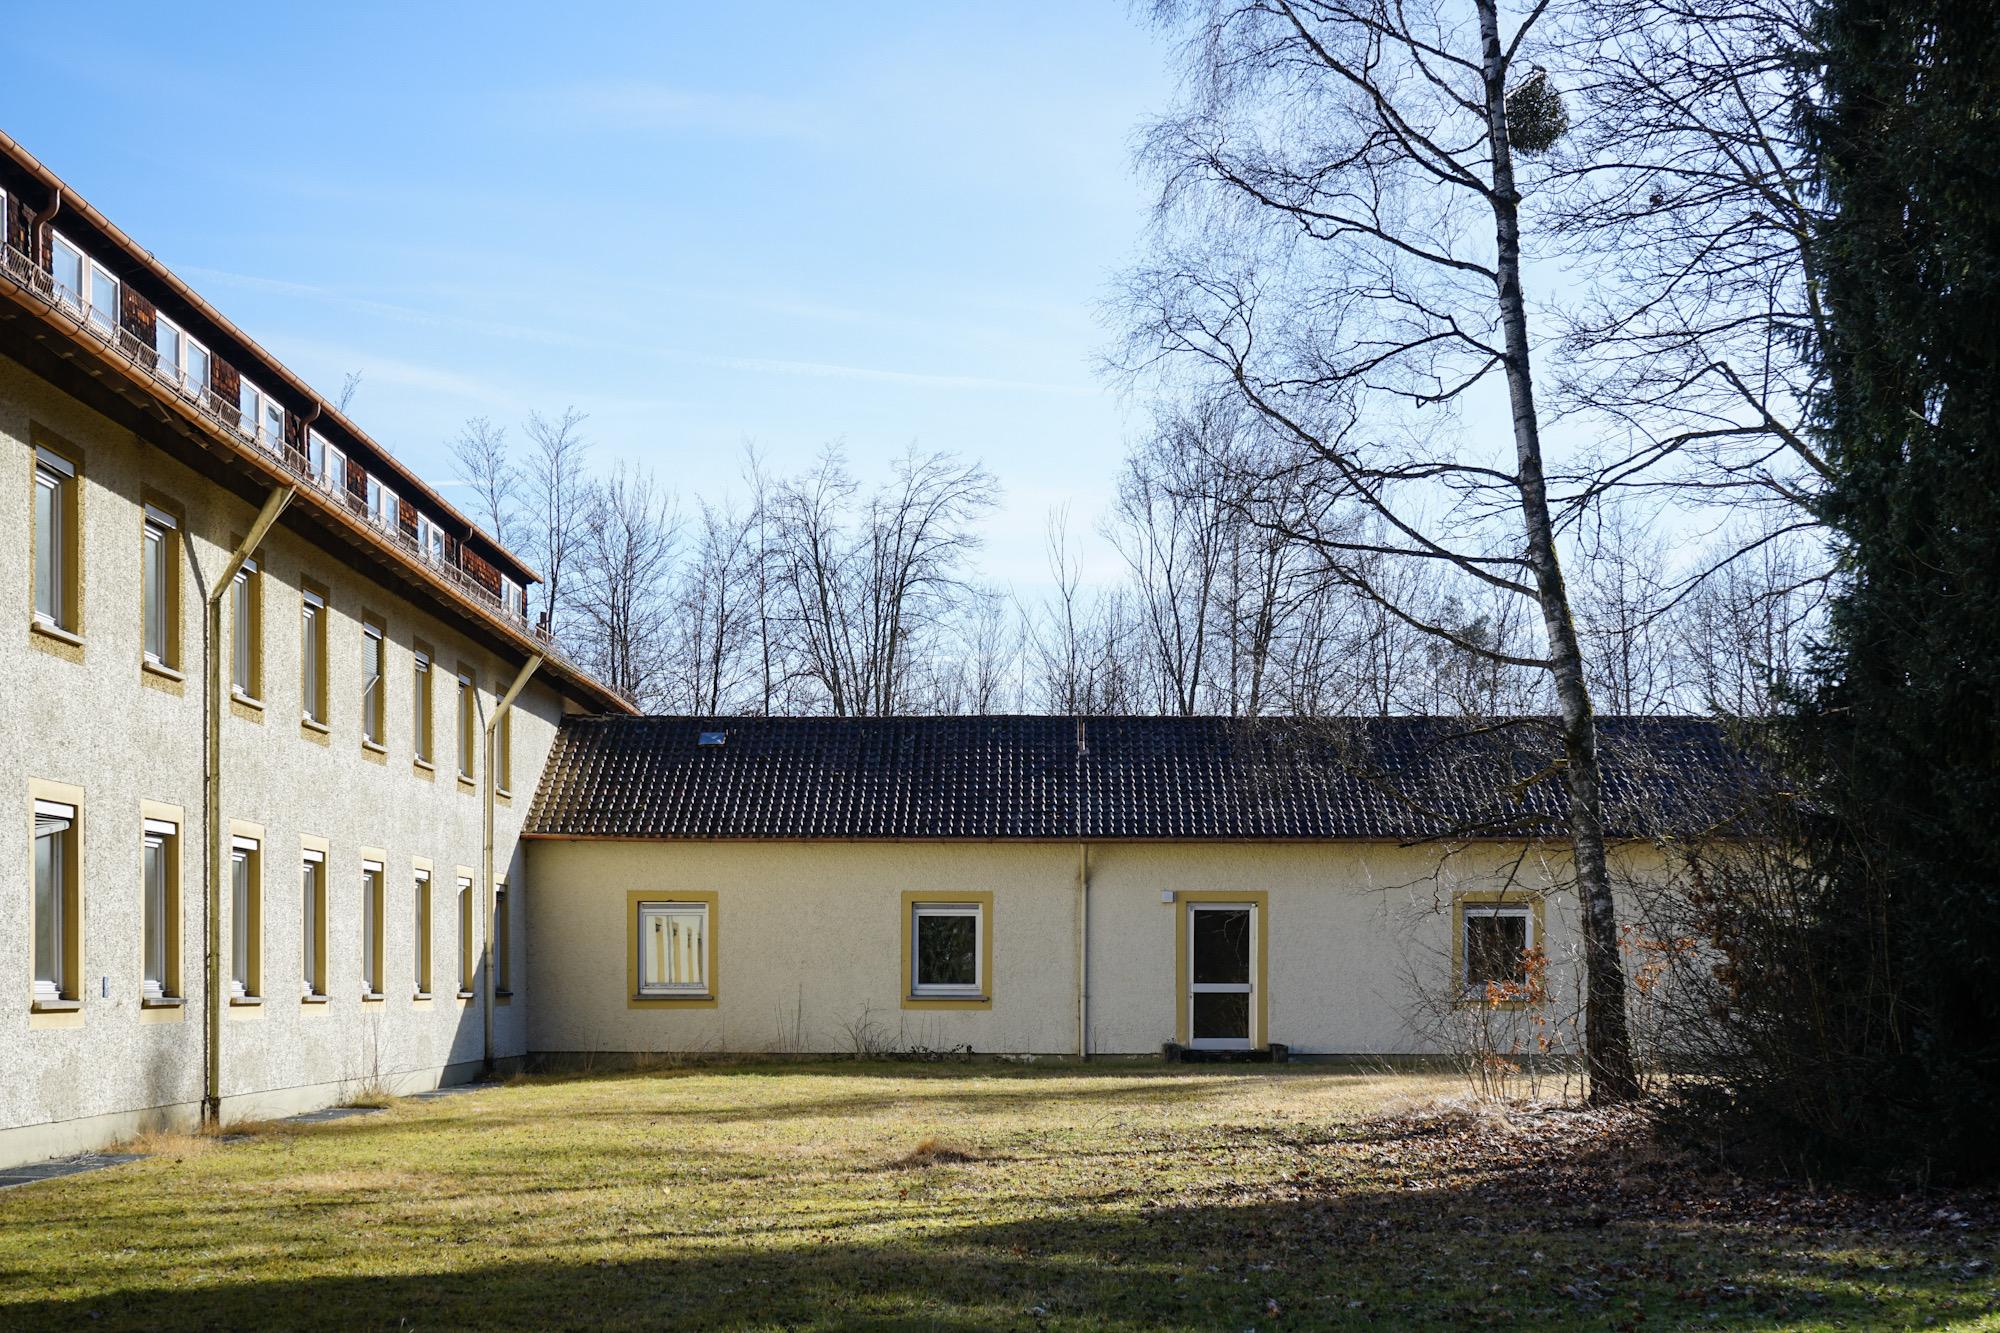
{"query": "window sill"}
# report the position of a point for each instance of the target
(246, 1001)
(504, 993)
(691, 997)
(162, 670)
(374, 747)
(949, 997)
(425, 765)
(162, 1002)
(504, 793)
(247, 700)
(56, 1006)
(56, 632)
(466, 783)
(312, 999)
(465, 995)
(420, 995)
(314, 724)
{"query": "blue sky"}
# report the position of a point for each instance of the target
(703, 225)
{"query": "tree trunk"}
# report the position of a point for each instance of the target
(1607, 1038)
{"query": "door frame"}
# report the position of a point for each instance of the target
(1260, 958)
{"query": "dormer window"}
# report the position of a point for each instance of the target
(182, 360)
(84, 283)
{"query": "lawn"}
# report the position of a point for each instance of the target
(961, 1196)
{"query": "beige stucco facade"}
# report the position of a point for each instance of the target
(87, 718)
(1355, 941)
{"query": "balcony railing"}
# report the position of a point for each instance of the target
(227, 417)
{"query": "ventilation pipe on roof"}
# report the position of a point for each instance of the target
(486, 849)
(218, 852)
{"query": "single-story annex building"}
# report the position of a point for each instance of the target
(1079, 885)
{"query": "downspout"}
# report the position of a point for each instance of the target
(38, 227)
(1082, 901)
(486, 850)
(1083, 950)
(274, 505)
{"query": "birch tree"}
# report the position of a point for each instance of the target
(1342, 231)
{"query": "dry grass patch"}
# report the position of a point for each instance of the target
(932, 1151)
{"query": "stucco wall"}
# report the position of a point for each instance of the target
(809, 940)
(91, 718)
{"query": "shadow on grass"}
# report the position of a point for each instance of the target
(1437, 1258)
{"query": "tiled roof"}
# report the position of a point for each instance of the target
(1117, 778)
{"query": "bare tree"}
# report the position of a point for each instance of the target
(555, 491)
(350, 384)
(486, 468)
(1341, 249)
(622, 567)
(1079, 653)
(715, 655)
(1686, 204)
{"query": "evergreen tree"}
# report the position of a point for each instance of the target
(1898, 723)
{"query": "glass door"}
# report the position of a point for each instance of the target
(1221, 938)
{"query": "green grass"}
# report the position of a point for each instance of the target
(911, 1196)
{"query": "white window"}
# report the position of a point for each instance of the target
(55, 871)
(245, 919)
(373, 664)
(245, 598)
(371, 927)
(468, 721)
(1495, 947)
(945, 949)
(430, 540)
(159, 851)
(260, 416)
(158, 584)
(381, 505)
(85, 284)
(421, 934)
(420, 721)
(465, 964)
(673, 948)
(336, 470)
(55, 489)
(312, 924)
(182, 360)
(312, 654)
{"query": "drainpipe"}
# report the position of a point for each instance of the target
(1082, 901)
(1083, 950)
(38, 225)
(486, 848)
(274, 505)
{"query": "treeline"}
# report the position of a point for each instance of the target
(816, 593)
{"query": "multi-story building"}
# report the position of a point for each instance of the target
(252, 669)
(276, 715)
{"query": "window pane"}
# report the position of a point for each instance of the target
(371, 890)
(239, 922)
(274, 423)
(422, 935)
(242, 636)
(1494, 944)
(103, 298)
(155, 592)
(309, 931)
(673, 948)
(68, 271)
(1222, 1014)
(371, 686)
(48, 909)
(197, 367)
(48, 546)
(1222, 945)
(947, 949)
(309, 675)
(167, 342)
(156, 914)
